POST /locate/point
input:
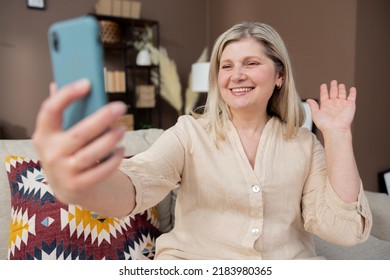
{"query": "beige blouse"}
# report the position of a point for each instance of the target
(227, 210)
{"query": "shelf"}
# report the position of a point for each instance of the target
(121, 46)
(123, 20)
(116, 95)
(121, 56)
(142, 67)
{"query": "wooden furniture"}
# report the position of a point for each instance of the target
(136, 85)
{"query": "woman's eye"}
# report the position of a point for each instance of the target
(252, 63)
(226, 66)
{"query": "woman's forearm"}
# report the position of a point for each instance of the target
(343, 173)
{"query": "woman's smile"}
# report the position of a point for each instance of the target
(241, 91)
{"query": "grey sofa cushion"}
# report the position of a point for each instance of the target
(380, 205)
(372, 249)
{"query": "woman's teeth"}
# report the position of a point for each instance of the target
(239, 91)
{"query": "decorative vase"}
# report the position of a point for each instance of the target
(143, 58)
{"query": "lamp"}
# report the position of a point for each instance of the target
(308, 120)
(384, 181)
(200, 76)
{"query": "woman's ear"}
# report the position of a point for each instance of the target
(279, 81)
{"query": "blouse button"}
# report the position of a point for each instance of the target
(255, 231)
(255, 188)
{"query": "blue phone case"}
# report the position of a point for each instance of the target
(76, 52)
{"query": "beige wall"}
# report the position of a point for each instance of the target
(346, 40)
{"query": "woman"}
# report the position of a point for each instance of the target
(251, 183)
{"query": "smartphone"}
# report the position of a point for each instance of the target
(76, 52)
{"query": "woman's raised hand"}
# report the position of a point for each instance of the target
(337, 107)
(72, 159)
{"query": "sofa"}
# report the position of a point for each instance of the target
(376, 247)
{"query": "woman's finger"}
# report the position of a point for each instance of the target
(342, 92)
(53, 88)
(324, 93)
(49, 118)
(101, 171)
(333, 91)
(352, 94)
(98, 150)
(93, 126)
(314, 107)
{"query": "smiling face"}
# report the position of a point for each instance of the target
(247, 77)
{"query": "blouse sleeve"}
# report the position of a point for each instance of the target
(157, 171)
(325, 214)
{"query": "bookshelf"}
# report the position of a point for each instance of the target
(126, 80)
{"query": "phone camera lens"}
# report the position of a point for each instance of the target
(56, 42)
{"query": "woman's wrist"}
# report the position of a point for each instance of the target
(337, 135)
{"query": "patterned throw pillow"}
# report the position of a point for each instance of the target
(44, 228)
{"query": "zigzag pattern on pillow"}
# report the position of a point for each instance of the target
(44, 228)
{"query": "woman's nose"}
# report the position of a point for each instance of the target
(238, 74)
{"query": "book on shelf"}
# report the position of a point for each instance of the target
(115, 81)
(119, 8)
(127, 121)
(146, 96)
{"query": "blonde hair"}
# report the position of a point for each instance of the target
(284, 103)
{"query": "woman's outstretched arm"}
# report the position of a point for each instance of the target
(73, 159)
